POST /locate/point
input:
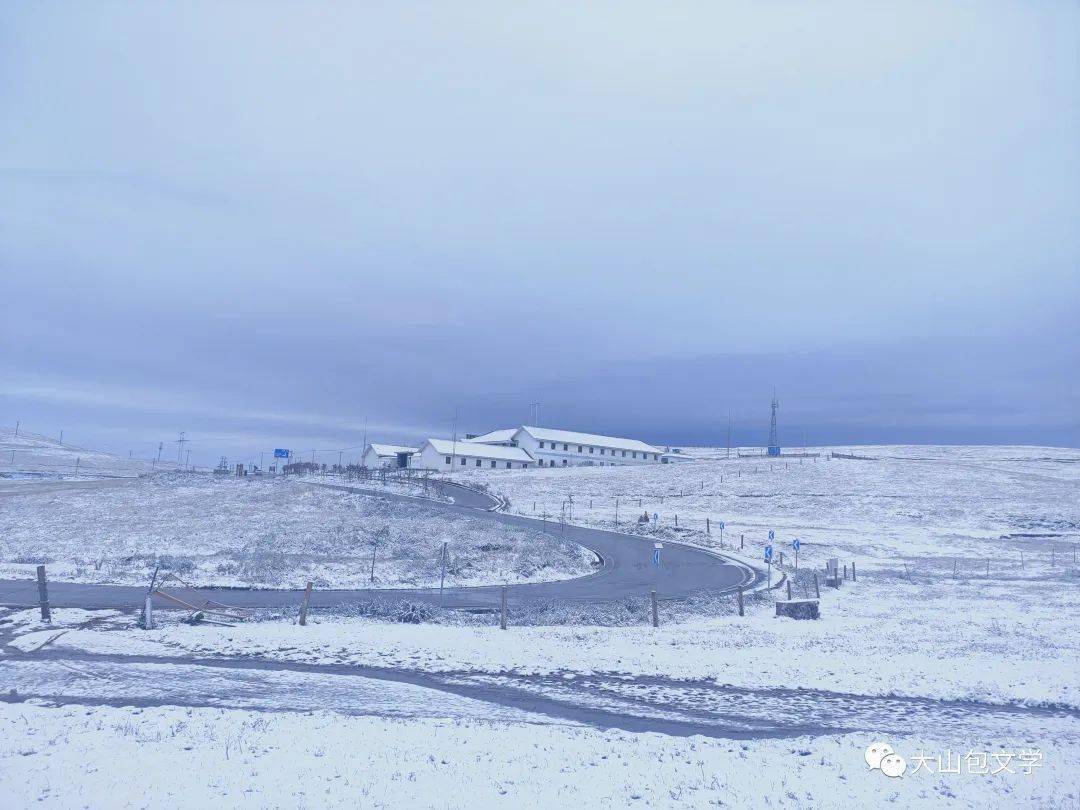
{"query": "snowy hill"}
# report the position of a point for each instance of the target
(32, 456)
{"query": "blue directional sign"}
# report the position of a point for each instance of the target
(772, 534)
(279, 453)
(721, 525)
(768, 553)
(796, 544)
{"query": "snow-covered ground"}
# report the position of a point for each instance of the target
(267, 532)
(907, 629)
(98, 756)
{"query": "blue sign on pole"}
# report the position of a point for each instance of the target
(721, 525)
(772, 534)
(796, 544)
(768, 553)
(279, 453)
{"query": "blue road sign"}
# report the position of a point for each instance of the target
(768, 553)
(796, 544)
(772, 534)
(279, 453)
(721, 525)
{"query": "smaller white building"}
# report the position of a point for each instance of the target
(388, 456)
(447, 455)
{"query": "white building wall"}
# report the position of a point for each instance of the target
(431, 459)
(572, 454)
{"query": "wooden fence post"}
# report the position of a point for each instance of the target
(502, 612)
(43, 595)
(817, 590)
(304, 606)
(655, 615)
(708, 530)
(853, 571)
(740, 601)
(789, 589)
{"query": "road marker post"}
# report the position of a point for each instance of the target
(502, 612)
(789, 589)
(817, 590)
(304, 604)
(43, 595)
(442, 572)
(740, 601)
(655, 615)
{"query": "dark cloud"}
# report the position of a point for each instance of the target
(263, 223)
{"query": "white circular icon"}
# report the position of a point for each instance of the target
(893, 765)
(875, 752)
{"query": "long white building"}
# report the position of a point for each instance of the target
(565, 448)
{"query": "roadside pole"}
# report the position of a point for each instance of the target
(442, 573)
(43, 595)
(304, 606)
(502, 611)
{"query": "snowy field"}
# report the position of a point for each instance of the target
(265, 532)
(926, 621)
(77, 756)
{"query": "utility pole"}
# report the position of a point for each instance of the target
(156, 460)
(61, 436)
(453, 449)
(187, 457)
(180, 447)
(728, 453)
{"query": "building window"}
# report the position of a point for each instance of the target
(566, 447)
(564, 462)
(591, 449)
(579, 448)
(478, 462)
(493, 465)
(448, 459)
(624, 454)
(634, 455)
(601, 451)
(463, 460)
(508, 465)
(541, 445)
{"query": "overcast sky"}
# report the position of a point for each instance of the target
(261, 223)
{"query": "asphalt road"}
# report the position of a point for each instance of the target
(626, 571)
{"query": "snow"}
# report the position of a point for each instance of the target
(72, 756)
(446, 447)
(389, 450)
(267, 532)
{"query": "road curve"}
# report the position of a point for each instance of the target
(626, 571)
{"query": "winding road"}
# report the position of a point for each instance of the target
(626, 571)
